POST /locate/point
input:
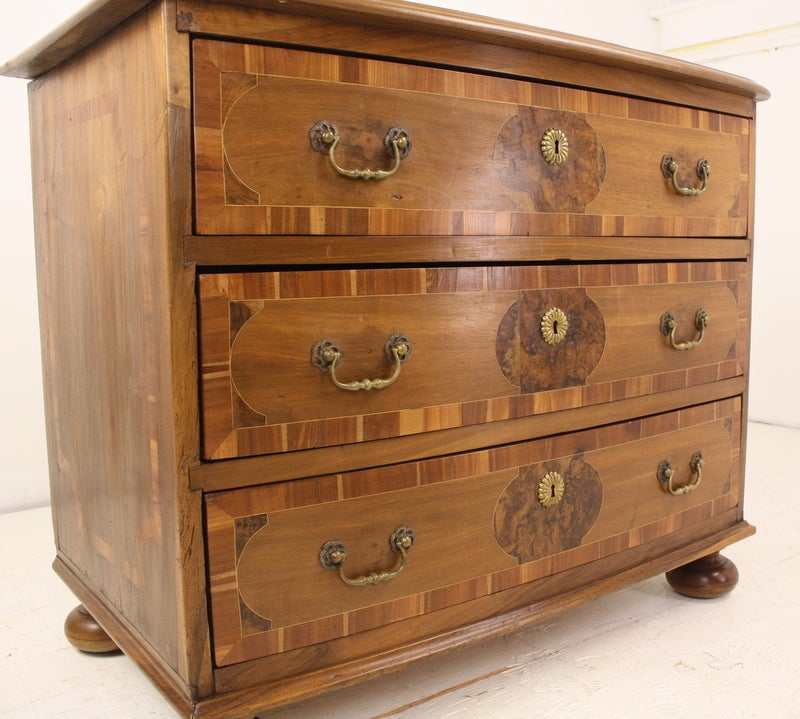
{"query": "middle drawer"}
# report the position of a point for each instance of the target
(295, 360)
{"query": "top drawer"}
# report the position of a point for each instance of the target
(483, 155)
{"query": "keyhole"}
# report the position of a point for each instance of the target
(552, 491)
(555, 327)
(558, 146)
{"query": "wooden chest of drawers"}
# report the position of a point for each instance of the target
(372, 330)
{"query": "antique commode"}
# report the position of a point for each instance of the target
(371, 330)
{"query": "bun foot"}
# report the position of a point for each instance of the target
(84, 633)
(705, 578)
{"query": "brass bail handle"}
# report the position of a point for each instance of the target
(325, 138)
(333, 555)
(669, 168)
(666, 474)
(326, 355)
(669, 325)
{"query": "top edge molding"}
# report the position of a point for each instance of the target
(99, 17)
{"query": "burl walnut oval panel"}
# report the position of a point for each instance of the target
(533, 364)
(528, 529)
(535, 184)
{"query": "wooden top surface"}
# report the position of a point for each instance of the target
(99, 17)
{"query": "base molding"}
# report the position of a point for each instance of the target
(265, 696)
(126, 638)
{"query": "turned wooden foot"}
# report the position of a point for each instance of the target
(84, 633)
(705, 578)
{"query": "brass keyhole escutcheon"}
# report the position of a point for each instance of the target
(551, 489)
(555, 146)
(554, 326)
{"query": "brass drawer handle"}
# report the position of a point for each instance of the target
(325, 355)
(666, 474)
(325, 138)
(333, 554)
(669, 167)
(669, 325)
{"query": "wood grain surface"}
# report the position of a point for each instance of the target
(466, 173)
(481, 505)
(193, 246)
(478, 353)
(118, 331)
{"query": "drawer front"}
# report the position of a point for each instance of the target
(483, 344)
(517, 513)
(485, 155)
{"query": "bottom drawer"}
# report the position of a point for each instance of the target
(298, 563)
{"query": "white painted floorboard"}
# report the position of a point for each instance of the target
(642, 652)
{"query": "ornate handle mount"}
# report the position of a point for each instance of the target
(666, 474)
(669, 167)
(326, 355)
(333, 554)
(669, 325)
(325, 138)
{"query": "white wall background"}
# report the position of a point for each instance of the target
(758, 40)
